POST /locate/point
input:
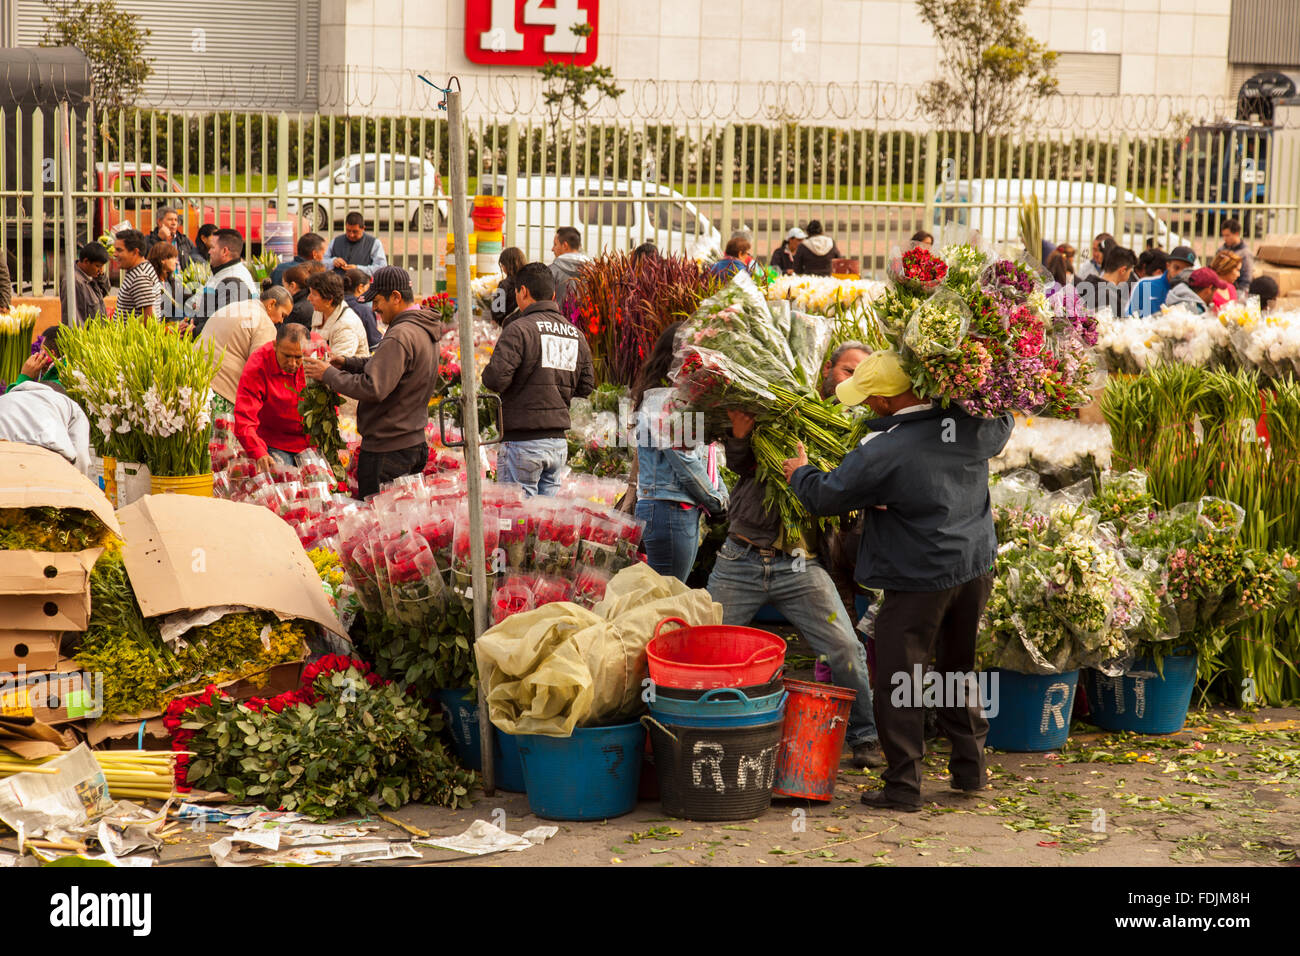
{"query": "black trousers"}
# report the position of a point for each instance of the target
(912, 627)
(375, 468)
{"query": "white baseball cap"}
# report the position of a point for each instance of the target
(796, 233)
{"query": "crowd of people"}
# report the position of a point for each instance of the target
(1125, 283)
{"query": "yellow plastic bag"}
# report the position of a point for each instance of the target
(561, 666)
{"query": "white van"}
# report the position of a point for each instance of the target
(1071, 211)
(611, 215)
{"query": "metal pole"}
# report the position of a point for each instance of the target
(38, 204)
(728, 176)
(69, 215)
(474, 473)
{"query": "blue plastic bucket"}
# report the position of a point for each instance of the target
(1030, 712)
(460, 711)
(1141, 700)
(719, 712)
(592, 775)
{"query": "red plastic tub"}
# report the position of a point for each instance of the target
(713, 655)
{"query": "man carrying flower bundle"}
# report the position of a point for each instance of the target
(921, 479)
(760, 563)
(393, 385)
(267, 422)
(540, 363)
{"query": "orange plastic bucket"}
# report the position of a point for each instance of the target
(812, 739)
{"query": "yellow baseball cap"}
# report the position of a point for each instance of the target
(880, 373)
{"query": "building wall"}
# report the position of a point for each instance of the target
(1165, 47)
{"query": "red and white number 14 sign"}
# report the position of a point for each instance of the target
(530, 32)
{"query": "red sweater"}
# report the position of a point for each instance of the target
(266, 405)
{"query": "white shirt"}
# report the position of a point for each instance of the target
(35, 414)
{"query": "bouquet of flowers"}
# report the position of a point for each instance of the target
(987, 336)
(735, 354)
(443, 304)
(1063, 597)
(1124, 500)
(145, 390)
(918, 270)
(17, 326)
(483, 288)
(195, 276)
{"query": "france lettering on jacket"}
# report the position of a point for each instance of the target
(557, 328)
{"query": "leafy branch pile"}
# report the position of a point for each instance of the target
(735, 353)
(318, 406)
(142, 672)
(53, 529)
(344, 742)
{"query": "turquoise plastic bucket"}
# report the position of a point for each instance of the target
(460, 711)
(1032, 711)
(720, 711)
(592, 775)
(1141, 700)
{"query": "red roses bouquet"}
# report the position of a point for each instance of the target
(917, 270)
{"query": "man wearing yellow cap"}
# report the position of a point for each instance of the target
(921, 478)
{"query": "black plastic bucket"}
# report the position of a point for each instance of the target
(715, 773)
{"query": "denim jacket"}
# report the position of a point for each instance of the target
(669, 474)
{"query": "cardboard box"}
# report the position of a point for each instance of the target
(1287, 277)
(40, 590)
(1280, 249)
(34, 650)
(185, 553)
(33, 739)
(54, 697)
(148, 734)
(44, 590)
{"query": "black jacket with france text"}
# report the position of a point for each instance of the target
(539, 364)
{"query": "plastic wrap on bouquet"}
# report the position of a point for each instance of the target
(418, 593)
(916, 270)
(556, 550)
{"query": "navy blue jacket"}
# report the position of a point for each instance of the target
(930, 472)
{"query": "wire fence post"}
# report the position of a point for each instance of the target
(512, 183)
(38, 203)
(927, 185)
(282, 167)
(728, 180)
(469, 411)
(1121, 187)
(69, 214)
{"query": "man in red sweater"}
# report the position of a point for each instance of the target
(267, 422)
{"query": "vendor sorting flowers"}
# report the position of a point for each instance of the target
(267, 421)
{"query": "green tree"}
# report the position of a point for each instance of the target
(569, 86)
(111, 39)
(993, 70)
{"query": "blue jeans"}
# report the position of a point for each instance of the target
(672, 536)
(283, 457)
(743, 581)
(535, 465)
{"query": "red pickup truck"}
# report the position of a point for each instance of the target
(133, 192)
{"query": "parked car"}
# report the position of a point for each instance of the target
(610, 215)
(1072, 211)
(391, 189)
(133, 192)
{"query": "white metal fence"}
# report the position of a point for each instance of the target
(625, 182)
